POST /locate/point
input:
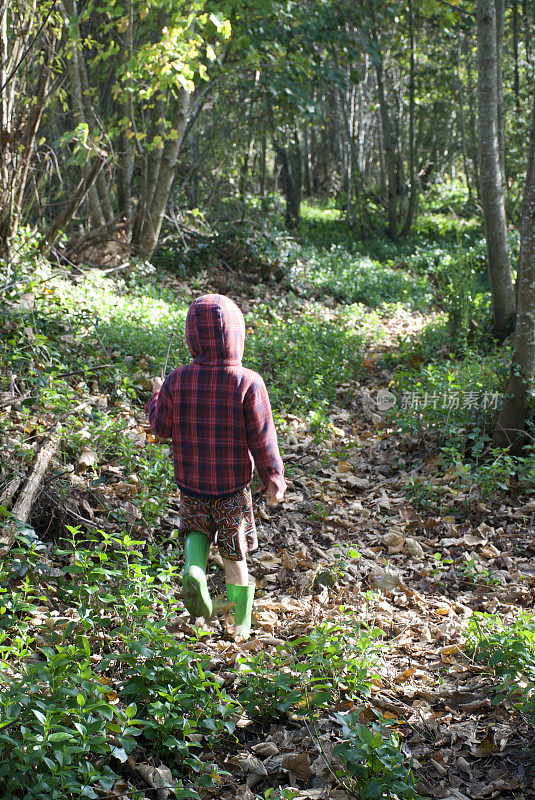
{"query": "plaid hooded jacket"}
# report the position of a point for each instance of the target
(216, 412)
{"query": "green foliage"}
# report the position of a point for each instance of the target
(456, 399)
(334, 658)
(111, 580)
(509, 650)
(473, 572)
(372, 757)
(303, 356)
(74, 703)
(426, 497)
(57, 737)
(356, 278)
(177, 698)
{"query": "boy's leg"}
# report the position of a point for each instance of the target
(242, 595)
(194, 584)
(236, 535)
(236, 572)
(196, 528)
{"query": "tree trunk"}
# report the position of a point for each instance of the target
(464, 148)
(151, 163)
(388, 148)
(125, 159)
(152, 222)
(492, 188)
(527, 31)
(516, 74)
(413, 199)
(77, 103)
(474, 146)
(500, 13)
(512, 416)
(101, 184)
(262, 180)
(22, 102)
(290, 160)
(306, 161)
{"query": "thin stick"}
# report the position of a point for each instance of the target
(164, 370)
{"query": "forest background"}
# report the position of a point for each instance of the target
(360, 178)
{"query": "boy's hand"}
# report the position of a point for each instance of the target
(274, 495)
(157, 384)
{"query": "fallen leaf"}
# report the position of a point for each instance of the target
(251, 764)
(405, 675)
(299, 765)
(394, 540)
(474, 539)
(88, 458)
(413, 547)
(487, 745)
(442, 611)
(266, 749)
(159, 778)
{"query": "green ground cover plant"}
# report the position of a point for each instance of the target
(374, 766)
(509, 650)
(335, 659)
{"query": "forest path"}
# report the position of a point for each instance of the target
(347, 547)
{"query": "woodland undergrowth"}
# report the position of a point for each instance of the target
(393, 647)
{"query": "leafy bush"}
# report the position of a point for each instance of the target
(56, 723)
(335, 658)
(373, 759)
(509, 649)
(456, 399)
(177, 698)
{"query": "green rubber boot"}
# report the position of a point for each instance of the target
(195, 592)
(242, 597)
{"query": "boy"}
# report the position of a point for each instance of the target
(219, 418)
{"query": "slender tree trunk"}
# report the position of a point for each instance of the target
(474, 145)
(70, 12)
(306, 160)
(32, 126)
(22, 103)
(512, 416)
(262, 166)
(388, 149)
(125, 160)
(500, 14)
(101, 184)
(249, 149)
(6, 206)
(492, 187)
(152, 222)
(413, 199)
(460, 95)
(516, 74)
(527, 30)
(125, 169)
(194, 193)
(151, 161)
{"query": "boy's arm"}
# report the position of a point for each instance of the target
(262, 437)
(160, 409)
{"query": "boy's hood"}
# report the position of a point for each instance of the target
(215, 330)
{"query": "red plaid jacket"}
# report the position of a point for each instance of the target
(217, 412)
